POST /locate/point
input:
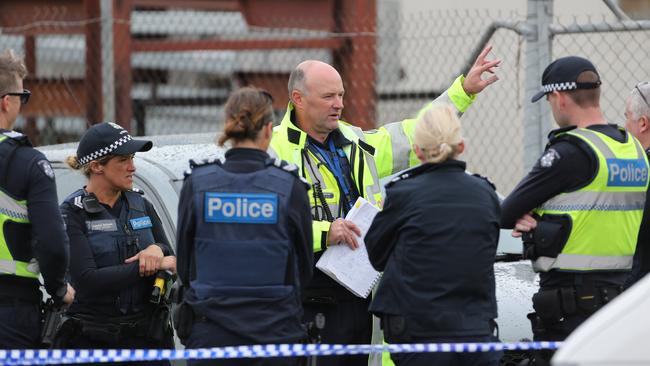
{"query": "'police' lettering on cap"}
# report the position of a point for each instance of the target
(562, 75)
(108, 138)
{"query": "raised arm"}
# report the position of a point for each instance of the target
(393, 142)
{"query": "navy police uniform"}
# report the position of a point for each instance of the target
(244, 250)
(436, 240)
(112, 299)
(32, 238)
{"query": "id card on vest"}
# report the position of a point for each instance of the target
(102, 225)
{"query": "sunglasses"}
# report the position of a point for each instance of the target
(24, 96)
(641, 93)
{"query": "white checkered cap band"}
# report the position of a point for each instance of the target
(105, 150)
(559, 86)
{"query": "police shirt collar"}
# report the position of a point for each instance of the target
(336, 136)
(245, 153)
(560, 130)
(598, 127)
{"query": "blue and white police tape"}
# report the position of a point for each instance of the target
(73, 356)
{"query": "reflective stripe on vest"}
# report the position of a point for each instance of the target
(314, 175)
(12, 210)
(400, 145)
(372, 189)
(605, 214)
(600, 201)
(584, 262)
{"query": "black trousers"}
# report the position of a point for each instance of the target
(552, 331)
(20, 325)
(448, 358)
(345, 323)
(206, 334)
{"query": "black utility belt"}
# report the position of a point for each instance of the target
(110, 333)
(19, 289)
(555, 304)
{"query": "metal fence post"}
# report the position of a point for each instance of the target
(108, 75)
(538, 56)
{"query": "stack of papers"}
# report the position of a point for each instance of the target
(352, 268)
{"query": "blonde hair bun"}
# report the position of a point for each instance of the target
(437, 133)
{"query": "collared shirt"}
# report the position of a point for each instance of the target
(339, 143)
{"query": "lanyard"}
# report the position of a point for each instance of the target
(335, 167)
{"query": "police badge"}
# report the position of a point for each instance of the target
(548, 158)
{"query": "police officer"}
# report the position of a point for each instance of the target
(436, 240)
(244, 240)
(117, 245)
(32, 235)
(586, 194)
(342, 163)
(637, 122)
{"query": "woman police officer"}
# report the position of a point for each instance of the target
(436, 241)
(244, 240)
(117, 245)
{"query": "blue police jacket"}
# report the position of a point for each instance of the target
(436, 241)
(112, 241)
(245, 268)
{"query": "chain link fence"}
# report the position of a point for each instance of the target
(183, 64)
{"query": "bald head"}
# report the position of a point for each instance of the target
(316, 92)
(311, 72)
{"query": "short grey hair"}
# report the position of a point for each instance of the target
(638, 106)
(297, 81)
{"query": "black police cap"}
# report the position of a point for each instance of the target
(108, 139)
(562, 75)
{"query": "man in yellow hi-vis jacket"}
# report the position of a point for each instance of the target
(342, 163)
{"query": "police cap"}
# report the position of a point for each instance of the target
(108, 138)
(562, 75)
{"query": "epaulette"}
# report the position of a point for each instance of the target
(287, 167)
(196, 164)
(17, 136)
(487, 180)
(137, 190)
(406, 174)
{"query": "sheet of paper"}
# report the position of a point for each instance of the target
(352, 268)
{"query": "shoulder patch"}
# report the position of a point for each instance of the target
(487, 180)
(46, 168)
(77, 202)
(549, 158)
